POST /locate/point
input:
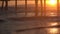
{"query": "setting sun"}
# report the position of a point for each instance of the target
(52, 2)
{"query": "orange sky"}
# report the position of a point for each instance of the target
(10, 3)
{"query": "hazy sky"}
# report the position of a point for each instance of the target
(11, 3)
(50, 5)
(24, 0)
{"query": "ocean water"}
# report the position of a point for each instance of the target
(31, 27)
(11, 26)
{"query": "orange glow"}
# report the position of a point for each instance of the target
(52, 14)
(53, 30)
(51, 2)
(53, 24)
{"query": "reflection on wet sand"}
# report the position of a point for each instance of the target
(44, 28)
(52, 30)
(53, 23)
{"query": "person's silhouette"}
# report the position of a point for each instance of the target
(6, 3)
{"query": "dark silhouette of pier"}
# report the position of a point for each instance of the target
(42, 10)
(36, 17)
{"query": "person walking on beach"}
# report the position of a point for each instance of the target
(6, 3)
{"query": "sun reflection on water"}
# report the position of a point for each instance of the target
(53, 23)
(53, 30)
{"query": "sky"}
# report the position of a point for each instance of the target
(11, 3)
(48, 2)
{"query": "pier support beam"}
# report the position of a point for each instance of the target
(25, 7)
(44, 8)
(36, 7)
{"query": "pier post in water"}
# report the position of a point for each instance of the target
(44, 8)
(41, 6)
(16, 7)
(36, 7)
(2, 5)
(25, 7)
(58, 11)
(58, 8)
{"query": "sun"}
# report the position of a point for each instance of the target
(52, 2)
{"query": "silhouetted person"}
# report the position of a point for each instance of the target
(6, 4)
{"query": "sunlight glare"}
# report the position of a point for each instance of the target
(53, 30)
(52, 2)
(53, 24)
